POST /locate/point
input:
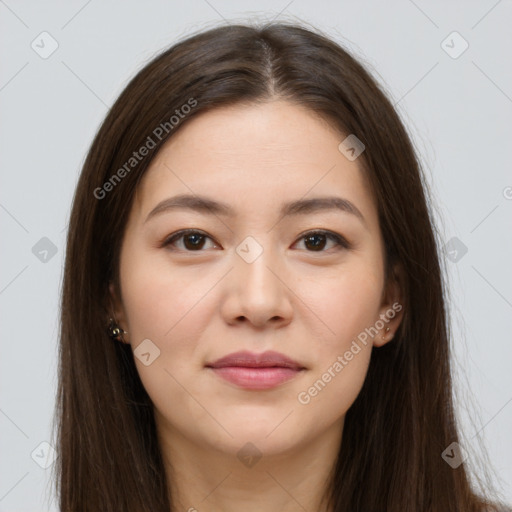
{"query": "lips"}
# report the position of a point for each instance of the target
(269, 359)
(253, 371)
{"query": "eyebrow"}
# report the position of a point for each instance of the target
(209, 206)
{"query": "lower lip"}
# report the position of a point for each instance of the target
(256, 378)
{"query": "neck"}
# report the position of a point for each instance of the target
(204, 478)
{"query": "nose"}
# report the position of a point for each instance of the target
(258, 292)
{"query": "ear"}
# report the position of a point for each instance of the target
(392, 308)
(116, 310)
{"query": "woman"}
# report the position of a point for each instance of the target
(253, 311)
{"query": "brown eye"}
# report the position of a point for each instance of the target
(316, 241)
(192, 240)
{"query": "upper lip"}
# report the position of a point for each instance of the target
(247, 359)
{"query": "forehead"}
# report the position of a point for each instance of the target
(253, 157)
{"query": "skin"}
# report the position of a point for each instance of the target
(197, 305)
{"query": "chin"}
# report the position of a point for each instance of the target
(257, 443)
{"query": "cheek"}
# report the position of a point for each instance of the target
(159, 303)
(341, 361)
(168, 307)
(332, 390)
(171, 309)
(348, 304)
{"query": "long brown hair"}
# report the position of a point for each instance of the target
(395, 432)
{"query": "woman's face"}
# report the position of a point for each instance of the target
(251, 278)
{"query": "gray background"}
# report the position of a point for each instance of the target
(458, 110)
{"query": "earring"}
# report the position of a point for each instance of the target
(115, 332)
(384, 335)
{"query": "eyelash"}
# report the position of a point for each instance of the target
(340, 241)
